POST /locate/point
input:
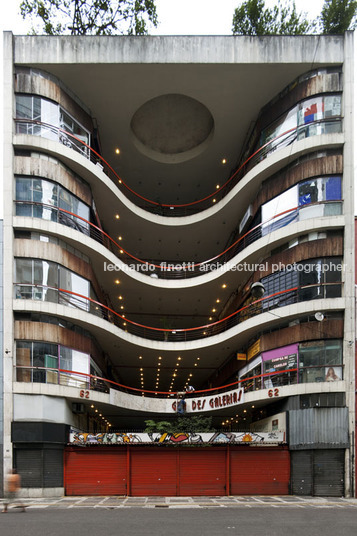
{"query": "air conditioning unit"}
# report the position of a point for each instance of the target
(78, 408)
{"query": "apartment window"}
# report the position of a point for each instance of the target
(44, 362)
(52, 117)
(320, 361)
(49, 276)
(49, 196)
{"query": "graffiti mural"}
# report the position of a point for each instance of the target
(122, 438)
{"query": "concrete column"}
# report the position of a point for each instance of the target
(349, 258)
(8, 190)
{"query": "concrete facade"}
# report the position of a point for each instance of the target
(127, 154)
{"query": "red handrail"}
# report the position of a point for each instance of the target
(176, 330)
(173, 205)
(162, 266)
(172, 393)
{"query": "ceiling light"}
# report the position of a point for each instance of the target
(117, 282)
(160, 357)
(213, 310)
(195, 364)
(117, 217)
(210, 318)
(122, 307)
(224, 285)
(120, 181)
(224, 161)
(140, 356)
(217, 186)
(179, 358)
(121, 251)
(213, 200)
(120, 297)
(217, 301)
(120, 238)
(117, 151)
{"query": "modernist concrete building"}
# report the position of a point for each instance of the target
(149, 182)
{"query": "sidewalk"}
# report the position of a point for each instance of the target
(190, 502)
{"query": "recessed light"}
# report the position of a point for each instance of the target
(213, 200)
(224, 285)
(210, 318)
(117, 151)
(217, 301)
(217, 186)
(224, 161)
(117, 217)
(117, 282)
(120, 297)
(213, 310)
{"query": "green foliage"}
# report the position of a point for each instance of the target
(253, 18)
(193, 424)
(90, 17)
(337, 16)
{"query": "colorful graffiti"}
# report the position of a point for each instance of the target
(122, 438)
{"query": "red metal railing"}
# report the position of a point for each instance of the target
(273, 301)
(33, 127)
(82, 380)
(162, 269)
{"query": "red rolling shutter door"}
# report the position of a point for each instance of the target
(202, 471)
(95, 471)
(153, 471)
(259, 471)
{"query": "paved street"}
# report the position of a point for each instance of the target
(188, 502)
(253, 516)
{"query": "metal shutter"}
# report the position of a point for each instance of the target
(202, 471)
(329, 468)
(52, 468)
(259, 471)
(301, 472)
(29, 466)
(95, 471)
(153, 471)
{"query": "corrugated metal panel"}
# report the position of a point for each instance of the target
(318, 427)
(94, 471)
(329, 473)
(29, 465)
(301, 472)
(153, 471)
(260, 471)
(52, 468)
(202, 472)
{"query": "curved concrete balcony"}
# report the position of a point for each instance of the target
(104, 187)
(108, 326)
(101, 248)
(218, 401)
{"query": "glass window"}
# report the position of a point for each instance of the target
(320, 361)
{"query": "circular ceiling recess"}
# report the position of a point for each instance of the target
(172, 128)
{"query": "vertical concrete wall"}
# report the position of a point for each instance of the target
(8, 177)
(349, 266)
(1, 355)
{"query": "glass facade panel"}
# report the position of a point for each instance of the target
(52, 116)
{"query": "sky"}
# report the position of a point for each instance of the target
(177, 17)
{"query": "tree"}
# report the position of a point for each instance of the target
(253, 18)
(90, 17)
(193, 424)
(337, 16)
